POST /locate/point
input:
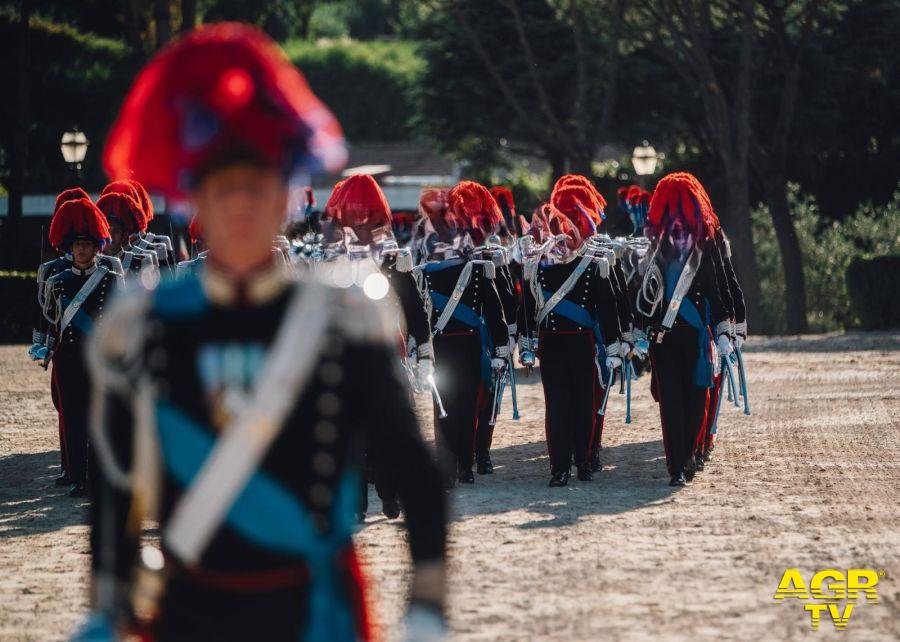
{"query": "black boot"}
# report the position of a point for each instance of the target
(559, 479)
(678, 480)
(585, 474)
(63, 480)
(594, 464)
(390, 506)
(466, 476)
(484, 465)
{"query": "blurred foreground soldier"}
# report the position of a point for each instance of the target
(373, 261)
(570, 303)
(76, 299)
(233, 405)
(126, 221)
(679, 303)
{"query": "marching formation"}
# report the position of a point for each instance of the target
(245, 396)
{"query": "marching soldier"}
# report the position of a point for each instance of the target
(144, 241)
(126, 222)
(570, 303)
(74, 300)
(485, 237)
(234, 405)
(42, 339)
(198, 251)
(577, 198)
(381, 267)
(679, 302)
(471, 335)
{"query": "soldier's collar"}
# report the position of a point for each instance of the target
(86, 271)
(258, 288)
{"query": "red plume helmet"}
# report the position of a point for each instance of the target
(680, 195)
(359, 202)
(622, 196)
(71, 194)
(124, 208)
(76, 219)
(577, 204)
(577, 180)
(135, 190)
(220, 89)
(472, 203)
(504, 196)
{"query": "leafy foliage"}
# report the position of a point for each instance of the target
(377, 97)
(829, 247)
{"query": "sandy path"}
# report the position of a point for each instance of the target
(811, 480)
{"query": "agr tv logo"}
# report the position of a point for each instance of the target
(834, 588)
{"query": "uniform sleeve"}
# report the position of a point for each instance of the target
(527, 311)
(617, 281)
(492, 309)
(607, 311)
(710, 289)
(417, 322)
(737, 293)
(506, 289)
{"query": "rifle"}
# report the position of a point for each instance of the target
(743, 375)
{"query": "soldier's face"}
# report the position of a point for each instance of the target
(83, 253)
(117, 236)
(240, 209)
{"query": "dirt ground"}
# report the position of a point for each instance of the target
(811, 481)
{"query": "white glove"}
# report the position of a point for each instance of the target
(613, 362)
(624, 349)
(724, 345)
(524, 344)
(738, 341)
(498, 364)
(424, 624)
(424, 374)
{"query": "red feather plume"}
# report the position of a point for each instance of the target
(79, 217)
(474, 205)
(124, 208)
(358, 201)
(71, 194)
(680, 195)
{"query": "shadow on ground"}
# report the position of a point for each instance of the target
(29, 502)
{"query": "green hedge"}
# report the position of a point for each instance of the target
(874, 287)
(18, 294)
(372, 87)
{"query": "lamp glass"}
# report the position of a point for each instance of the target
(73, 146)
(644, 159)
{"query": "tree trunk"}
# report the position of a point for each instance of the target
(18, 151)
(163, 24)
(737, 223)
(774, 185)
(188, 15)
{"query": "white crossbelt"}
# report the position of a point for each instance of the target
(688, 272)
(461, 284)
(89, 286)
(567, 285)
(253, 429)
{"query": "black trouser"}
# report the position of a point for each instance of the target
(682, 403)
(568, 373)
(74, 398)
(484, 431)
(385, 485)
(458, 366)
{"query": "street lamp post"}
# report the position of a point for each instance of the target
(74, 146)
(644, 159)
